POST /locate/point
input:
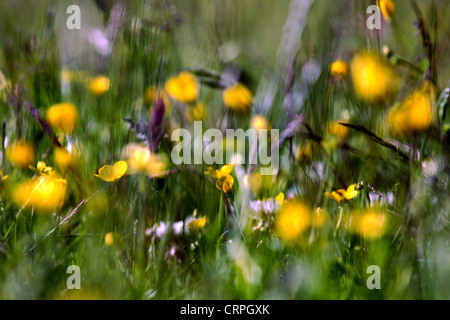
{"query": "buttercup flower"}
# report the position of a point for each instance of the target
(374, 79)
(63, 159)
(183, 87)
(196, 113)
(45, 193)
(259, 122)
(99, 85)
(342, 194)
(111, 238)
(238, 98)
(335, 129)
(141, 160)
(112, 173)
(293, 219)
(371, 223)
(387, 8)
(224, 180)
(280, 198)
(63, 117)
(415, 113)
(20, 154)
(225, 184)
(196, 224)
(2, 177)
(42, 168)
(339, 68)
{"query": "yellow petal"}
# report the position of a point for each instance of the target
(41, 166)
(106, 173)
(197, 224)
(227, 184)
(226, 169)
(280, 198)
(351, 192)
(335, 195)
(210, 172)
(120, 167)
(219, 183)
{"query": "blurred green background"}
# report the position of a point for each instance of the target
(281, 51)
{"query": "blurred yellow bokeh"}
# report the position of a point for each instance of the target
(415, 112)
(21, 154)
(293, 219)
(374, 79)
(63, 117)
(183, 87)
(238, 98)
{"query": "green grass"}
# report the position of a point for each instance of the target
(226, 259)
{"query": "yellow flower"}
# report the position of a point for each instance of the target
(63, 159)
(374, 80)
(197, 224)
(335, 129)
(259, 122)
(152, 94)
(224, 180)
(42, 168)
(415, 113)
(62, 116)
(339, 68)
(45, 193)
(222, 172)
(371, 224)
(112, 173)
(2, 178)
(343, 194)
(99, 85)
(183, 87)
(196, 113)
(141, 160)
(280, 198)
(387, 8)
(21, 154)
(225, 184)
(238, 98)
(293, 219)
(109, 239)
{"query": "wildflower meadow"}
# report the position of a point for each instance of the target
(224, 149)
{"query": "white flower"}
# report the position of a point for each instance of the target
(178, 227)
(160, 230)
